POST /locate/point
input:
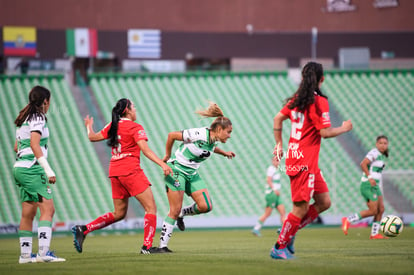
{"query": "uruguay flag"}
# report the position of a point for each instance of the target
(144, 43)
(19, 41)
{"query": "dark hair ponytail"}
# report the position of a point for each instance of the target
(37, 97)
(118, 111)
(312, 74)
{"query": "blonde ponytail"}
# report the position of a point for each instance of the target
(214, 110)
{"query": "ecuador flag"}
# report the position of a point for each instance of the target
(19, 41)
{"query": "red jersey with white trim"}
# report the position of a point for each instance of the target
(305, 139)
(126, 156)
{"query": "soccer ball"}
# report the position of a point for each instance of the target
(391, 226)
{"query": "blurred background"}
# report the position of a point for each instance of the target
(171, 56)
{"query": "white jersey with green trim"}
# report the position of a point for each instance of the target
(196, 148)
(273, 172)
(376, 166)
(25, 156)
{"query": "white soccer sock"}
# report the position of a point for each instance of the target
(26, 247)
(45, 236)
(353, 218)
(375, 228)
(258, 225)
(166, 232)
(188, 211)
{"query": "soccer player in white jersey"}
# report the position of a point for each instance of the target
(372, 166)
(198, 144)
(33, 174)
(272, 197)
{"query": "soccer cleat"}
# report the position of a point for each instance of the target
(180, 223)
(50, 257)
(164, 250)
(256, 233)
(27, 260)
(377, 237)
(290, 246)
(78, 237)
(151, 250)
(281, 254)
(345, 225)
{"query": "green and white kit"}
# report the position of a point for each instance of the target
(186, 160)
(28, 174)
(273, 200)
(377, 159)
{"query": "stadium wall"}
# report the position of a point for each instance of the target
(211, 16)
(293, 46)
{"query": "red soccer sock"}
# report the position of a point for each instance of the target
(100, 222)
(289, 229)
(150, 224)
(309, 217)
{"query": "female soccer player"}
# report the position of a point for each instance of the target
(127, 140)
(372, 166)
(272, 197)
(197, 145)
(308, 111)
(33, 174)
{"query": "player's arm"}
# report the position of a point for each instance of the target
(330, 132)
(228, 154)
(35, 137)
(365, 168)
(89, 129)
(270, 183)
(277, 132)
(143, 145)
(15, 145)
(172, 137)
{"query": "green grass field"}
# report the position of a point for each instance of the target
(320, 250)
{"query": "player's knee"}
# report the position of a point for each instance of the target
(47, 213)
(174, 213)
(119, 215)
(372, 212)
(205, 208)
(325, 205)
(328, 204)
(28, 216)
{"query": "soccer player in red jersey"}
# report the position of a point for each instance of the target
(127, 140)
(308, 111)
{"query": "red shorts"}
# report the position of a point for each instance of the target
(304, 185)
(130, 185)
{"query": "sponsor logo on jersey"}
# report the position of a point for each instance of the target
(142, 133)
(325, 118)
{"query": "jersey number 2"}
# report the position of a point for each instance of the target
(297, 124)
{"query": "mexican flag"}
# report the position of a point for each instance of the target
(82, 42)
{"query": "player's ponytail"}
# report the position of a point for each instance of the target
(214, 110)
(118, 111)
(37, 97)
(312, 74)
